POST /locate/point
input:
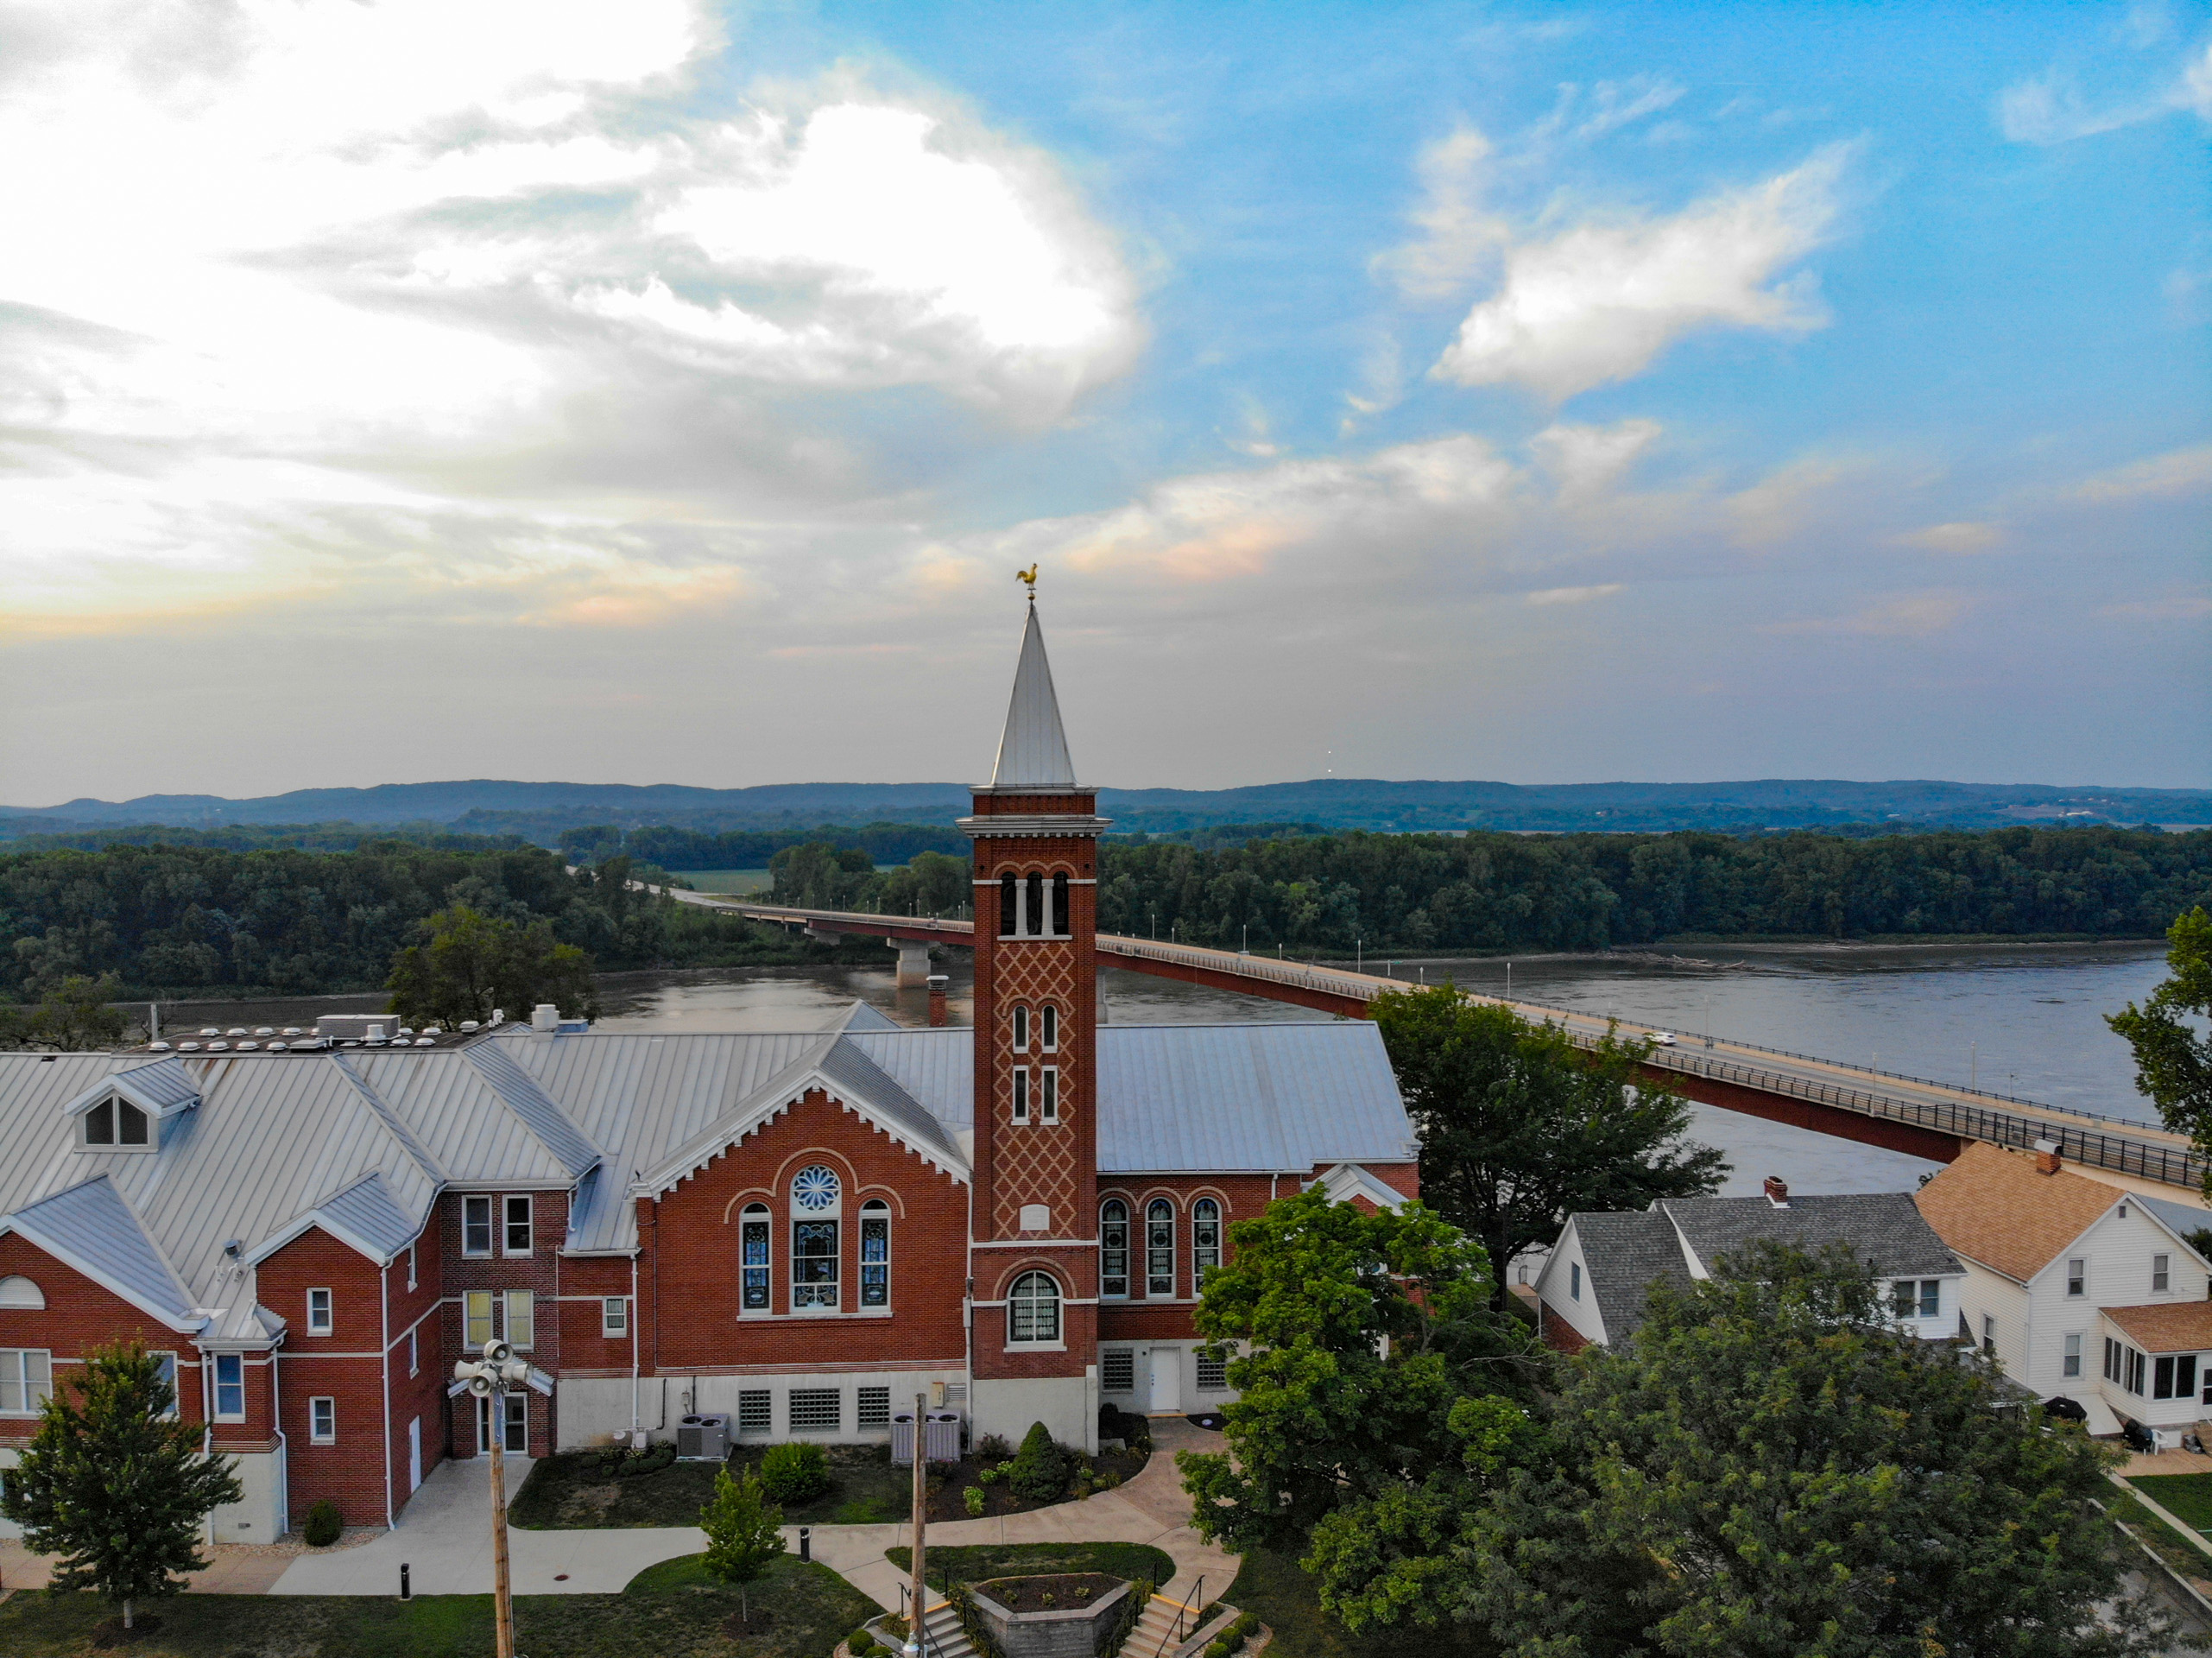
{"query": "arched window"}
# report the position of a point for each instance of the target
(1048, 1026)
(1114, 1248)
(1006, 905)
(816, 1202)
(21, 1293)
(1060, 904)
(875, 1253)
(1036, 916)
(1159, 1248)
(1032, 1309)
(115, 1123)
(1021, 1029)
(1205, 1239)
(753, 1256)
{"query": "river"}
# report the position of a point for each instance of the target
(2020, 1019)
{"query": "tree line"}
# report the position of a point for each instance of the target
(671, 848)
(169, 919)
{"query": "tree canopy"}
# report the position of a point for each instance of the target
(1767, 1468)
(2173, 1058)
(1519, 1128)
(73, 1016)
(468, 965)
(114, 1485)
(1358, 1335)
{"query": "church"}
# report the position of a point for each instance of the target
(803, 1231)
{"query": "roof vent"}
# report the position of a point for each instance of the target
(406, 1030)
(157, 1048)
(470, 1024)
(236, 1030)
(1778, 1192)
(292, 1030)
(218, 1048)
(209, 1030)
(249, 1047)
(424, 1041)
(278, 1048)
(264, 1030)
(187, 1047)
(544, 1017)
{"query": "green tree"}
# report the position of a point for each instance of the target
(1766, 1469)
(71, 1017)
(1360, 1334)
(1039, 1471)
(469, 964)
(2173, 1061)
(114, 1485)
(743, 1538)
(1519, 1128)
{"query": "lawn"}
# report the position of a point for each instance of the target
(743, 882)
(980, 1562)
(669, 1611)
(1272, 1587)
(2188, 1498)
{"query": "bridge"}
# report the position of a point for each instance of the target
(1927, 1119)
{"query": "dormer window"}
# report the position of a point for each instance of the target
(116, 1124)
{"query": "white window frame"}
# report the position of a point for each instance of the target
(413, 1354)
(1575, 1280)
(410, 1266)
(327, 1306)
(527, 1300)
(1056, 1301)
(238, 1362)
(471, 1206)
(1108, 1247)
(1201, 1222)
(1048, 1026)
(2078, 1277)
(2069, 1362)
(477, 1329)
(874, 1291)
(756, 1225)
(1048, 1094)
(22, 1380)
(614, 1316)
(1020, 1021)
(2162, 1274)
(508, 1204)
(1021, 1094)
(176, 1394)
(114, 1104)
(322, 1419)
(1155, 1252)
(1117, 1370)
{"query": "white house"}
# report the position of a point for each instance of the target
(2078, 1288)
(1594, 1285)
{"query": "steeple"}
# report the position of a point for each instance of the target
(1033, 752)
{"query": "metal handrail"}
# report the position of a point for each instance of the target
(1175, 1632)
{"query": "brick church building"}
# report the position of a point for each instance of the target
(803, 1230)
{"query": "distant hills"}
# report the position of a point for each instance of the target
(542, 811)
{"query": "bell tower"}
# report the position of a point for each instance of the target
(1033, 1253)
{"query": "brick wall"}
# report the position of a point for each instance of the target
(345, 1366)
(81, 1314)
(538, 1272)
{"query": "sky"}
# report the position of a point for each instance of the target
(669, 393)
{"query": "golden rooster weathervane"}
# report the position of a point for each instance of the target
(1029, 576)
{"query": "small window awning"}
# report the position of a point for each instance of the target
(2166, 1327)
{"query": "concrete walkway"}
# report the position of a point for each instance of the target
(444, 1536)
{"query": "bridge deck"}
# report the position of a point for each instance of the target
(1931, 1119)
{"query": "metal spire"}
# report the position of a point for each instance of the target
(1033, 752)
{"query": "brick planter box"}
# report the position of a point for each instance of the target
(1075, 1633)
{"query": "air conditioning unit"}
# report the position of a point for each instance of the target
(943, 1436)
(902, 1439)
(702, 1438)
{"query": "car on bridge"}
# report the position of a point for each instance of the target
(1660, 1038)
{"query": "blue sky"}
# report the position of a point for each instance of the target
(403, 391)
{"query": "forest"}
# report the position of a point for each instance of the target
(175, 919)
(1324, 893)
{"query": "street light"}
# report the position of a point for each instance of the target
(490, 1379)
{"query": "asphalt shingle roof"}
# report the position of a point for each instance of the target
(1883, 1229)
(1625, 1254)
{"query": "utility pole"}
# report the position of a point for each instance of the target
(489, 1382)
(917, 1598)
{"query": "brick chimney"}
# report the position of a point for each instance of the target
(1778, 1192)
(2047, 1160)
(937, 1009)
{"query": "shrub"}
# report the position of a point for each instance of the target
(796, 1472)
(972, 1498)
(1040, 1471)
(990, 1475)
(324, 1526)
(647, 1462)
(992, 1448)
(860, 1643)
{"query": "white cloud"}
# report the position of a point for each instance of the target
(1574, 595)
(1602, 299)
(1901, 616)
(1960, 537)
(1458, 239)
(2168, 477)
(2050, 109)
(314, 257)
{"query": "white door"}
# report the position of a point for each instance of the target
(1166, 1378)
(415, 1453)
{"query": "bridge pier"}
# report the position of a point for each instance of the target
(914, 961)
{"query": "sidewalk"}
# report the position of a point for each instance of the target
(444, 1536)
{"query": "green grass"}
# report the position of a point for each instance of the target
(1272, 1587)
(566, 1491)
(979, 1562)
(669, 1611)
(2188, 1498)
(744, 882)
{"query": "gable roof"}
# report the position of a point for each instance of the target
(1883, 1229)
(1993, 1206)
(91, 1228)
(1033, 750)
(160, 1089)
(362, 1216)
(1623, 1253)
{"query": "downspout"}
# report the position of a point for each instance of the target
(968, 1309)
(384, 1317)
(206, 1424)
(634, 1406)
(283, 1444)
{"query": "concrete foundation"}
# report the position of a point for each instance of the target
(914, 961)
(1068, 1407)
